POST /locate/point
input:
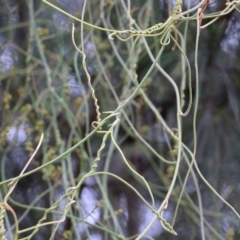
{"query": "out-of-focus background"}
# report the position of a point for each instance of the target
(44, 89)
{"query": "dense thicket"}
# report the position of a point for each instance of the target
(44, 89)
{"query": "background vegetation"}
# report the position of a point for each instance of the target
(101, 109)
